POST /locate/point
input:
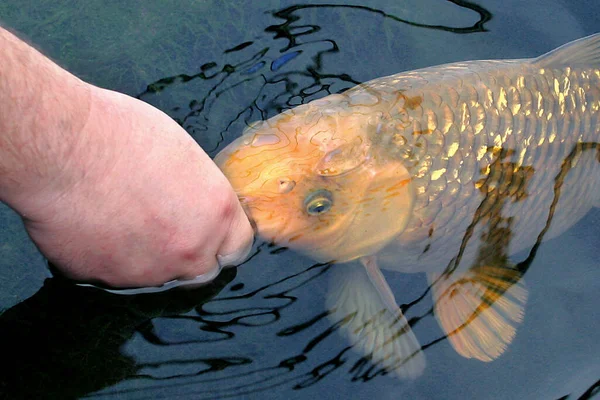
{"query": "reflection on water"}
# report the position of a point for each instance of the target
(270, 335)
(65, 341)
(273, 90)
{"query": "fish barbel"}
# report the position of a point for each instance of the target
(447, 170)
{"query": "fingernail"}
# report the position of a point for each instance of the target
(235, 258)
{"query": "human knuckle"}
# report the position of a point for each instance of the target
(227, 207)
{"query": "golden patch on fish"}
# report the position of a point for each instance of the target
(310, 184)
(447, 170)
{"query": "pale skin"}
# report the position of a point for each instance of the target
(110, 189)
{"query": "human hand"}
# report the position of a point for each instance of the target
(137, 203)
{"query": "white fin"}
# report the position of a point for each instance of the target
(479, 311)
(583, 52)
(383, 336)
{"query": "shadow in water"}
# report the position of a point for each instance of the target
(65, 341)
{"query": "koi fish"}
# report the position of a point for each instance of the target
(448, 170)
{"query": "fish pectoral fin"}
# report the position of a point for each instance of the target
(581, 52)
(480, 310)
(384, 336)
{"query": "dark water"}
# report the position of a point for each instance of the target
(261, 331)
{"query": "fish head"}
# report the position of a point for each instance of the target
(311, 179)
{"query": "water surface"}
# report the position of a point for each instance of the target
(261, 331)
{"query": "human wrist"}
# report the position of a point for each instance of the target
(44, 109)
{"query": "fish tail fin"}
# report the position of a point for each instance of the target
(480, 310)
(581, 52)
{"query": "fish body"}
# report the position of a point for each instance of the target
(447, 170)
(486, 130)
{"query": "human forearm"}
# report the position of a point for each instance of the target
(43, 109)
(110, 188)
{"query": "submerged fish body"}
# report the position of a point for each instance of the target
(447, 170)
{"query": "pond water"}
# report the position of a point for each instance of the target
(261, 330)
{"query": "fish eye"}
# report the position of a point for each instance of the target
(318, 202)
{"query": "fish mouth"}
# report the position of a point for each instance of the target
(268, 232)
(246, 207)
(277, 232)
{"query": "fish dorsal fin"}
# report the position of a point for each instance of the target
(363, 315)
(580, 52)
(479, 310)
